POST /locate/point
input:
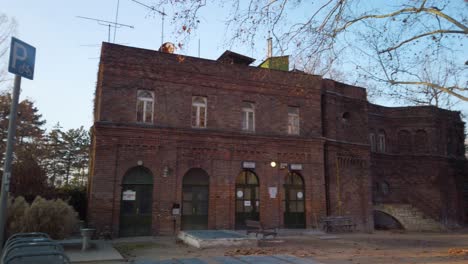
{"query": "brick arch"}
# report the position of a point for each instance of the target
(388, 220)
(404, 141)
(421, 141)
(388, 210)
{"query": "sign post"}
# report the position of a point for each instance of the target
(22, 58)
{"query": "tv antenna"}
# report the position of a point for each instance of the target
(162, 13)
(106, 23)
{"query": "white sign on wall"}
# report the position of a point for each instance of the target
(272, 191)
(129, 195)
(248, 165)
(247, 203)
(295, 166)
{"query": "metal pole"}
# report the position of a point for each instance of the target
(116, 17)
(8, 157)
(162, 27)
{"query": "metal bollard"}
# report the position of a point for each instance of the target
(86, 233)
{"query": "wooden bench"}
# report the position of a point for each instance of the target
(338, 224)
(257, 228)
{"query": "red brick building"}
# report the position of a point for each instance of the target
(189, 143)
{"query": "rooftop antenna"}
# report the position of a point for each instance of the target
(269, 39)
(162, 13)
(116, 17)
(109, 24)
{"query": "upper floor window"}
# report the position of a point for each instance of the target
(372, 142)
(199, 105)
(293, 120)
(248, 116)
(420, 141)
(145, 106)
(381, 147)
(404, 141)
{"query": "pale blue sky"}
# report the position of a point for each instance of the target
(67, 48)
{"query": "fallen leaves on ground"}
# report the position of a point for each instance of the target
(268, 251)
(458, 251)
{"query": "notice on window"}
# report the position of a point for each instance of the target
(129, 195)
(247, 203)
(272, 191)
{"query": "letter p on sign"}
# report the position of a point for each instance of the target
(22, 58)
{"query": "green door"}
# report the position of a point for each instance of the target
(247, 199)
(195, 200)
(294, 214)
(136, 203)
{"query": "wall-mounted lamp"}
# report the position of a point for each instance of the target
(140, 162)
(273, 164)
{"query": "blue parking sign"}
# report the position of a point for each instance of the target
(22, 58)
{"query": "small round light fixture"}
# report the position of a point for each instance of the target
(273, 164)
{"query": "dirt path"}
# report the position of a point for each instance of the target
(380, 247)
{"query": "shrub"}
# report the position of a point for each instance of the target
(54, 217)
(74, 196)
(17, 209)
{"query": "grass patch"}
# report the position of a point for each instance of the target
(128, 249)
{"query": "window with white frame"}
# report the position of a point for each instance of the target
(199, 105)
(248, 116)
(381, 146)
(293, 120)
(372, 142)
(145, 106)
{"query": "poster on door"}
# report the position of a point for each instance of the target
(129, 195)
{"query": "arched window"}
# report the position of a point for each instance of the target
(372, 142)
(145, 102)
(247, 198)
(420, 141)
(382, 146)
(294, 201)
(248, 116)
(404, 141)
(384, 188)
(293, 120)
(199, 105)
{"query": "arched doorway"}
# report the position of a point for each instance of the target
(136, 202)
(195, 195)
(384, 221)
(247, 198)
(294, 209)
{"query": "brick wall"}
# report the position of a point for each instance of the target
(339, 170)
(425, 173)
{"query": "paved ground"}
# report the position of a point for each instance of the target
(276, 259)
(376, 248)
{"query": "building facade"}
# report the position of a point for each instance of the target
(189, 143)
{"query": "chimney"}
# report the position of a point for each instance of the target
(270, 48)
(167, 47)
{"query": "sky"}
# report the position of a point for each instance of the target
(67, 48)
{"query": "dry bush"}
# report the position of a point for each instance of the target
(54, 217)
(17, 208)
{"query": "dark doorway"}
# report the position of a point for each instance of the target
(384, 221)
(136, 202)
(247, 198)
(195, 195)
(294, 212)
